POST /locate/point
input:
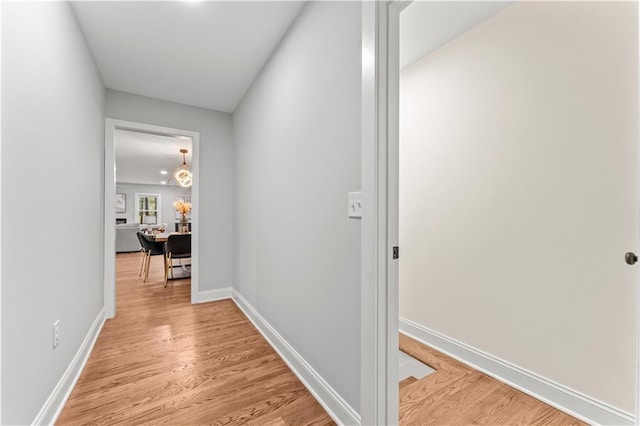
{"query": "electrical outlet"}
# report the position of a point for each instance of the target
(56, 334)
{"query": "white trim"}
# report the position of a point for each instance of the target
(378, 386)
(109, 201)
(341, 412)
(380, 191)
(0, 223)
(637, 410)
(109, 266)
(212, 295)
(561, 397)
(53, 405)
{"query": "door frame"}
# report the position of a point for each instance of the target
(380, 164)
(637, 411)
(1, 364)
(109, 201)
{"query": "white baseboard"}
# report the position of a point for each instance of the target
(341, 412)
(572, 402)
(53, 406)
(212, 295)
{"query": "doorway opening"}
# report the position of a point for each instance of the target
(142, 164)
(505, 125)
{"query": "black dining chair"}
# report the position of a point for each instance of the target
(151, 248)
(178, 247)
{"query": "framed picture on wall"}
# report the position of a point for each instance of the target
(121, 203)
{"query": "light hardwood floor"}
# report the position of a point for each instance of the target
(458, 395)
(162, 360)
(165, 361)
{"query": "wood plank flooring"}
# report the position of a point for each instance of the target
(458, 395)
(165, 361)
(162, 360)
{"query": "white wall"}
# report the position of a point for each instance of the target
(52, 211)
(428, 25)
(167, 196)
(216, 218)
(519, 192)
(296, 155)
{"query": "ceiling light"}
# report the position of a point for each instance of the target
(182, 177)
(164, 182)
(163, 172)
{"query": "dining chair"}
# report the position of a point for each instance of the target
(178, 247)
(143, 250)
(152, 248)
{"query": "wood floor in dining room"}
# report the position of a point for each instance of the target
(162, 360)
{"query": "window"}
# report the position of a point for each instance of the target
(148, 209)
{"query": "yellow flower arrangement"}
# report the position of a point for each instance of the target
(182, 207)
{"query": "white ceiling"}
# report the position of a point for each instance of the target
(427, 25)
(205, 54)
(141, 156)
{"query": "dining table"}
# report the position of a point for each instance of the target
(163, 236)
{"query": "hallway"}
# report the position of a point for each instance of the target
(162, 360)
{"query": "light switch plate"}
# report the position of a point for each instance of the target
(355, 204)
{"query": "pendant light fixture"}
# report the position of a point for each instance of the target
(182, 176)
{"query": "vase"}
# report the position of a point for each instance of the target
(184, 224)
